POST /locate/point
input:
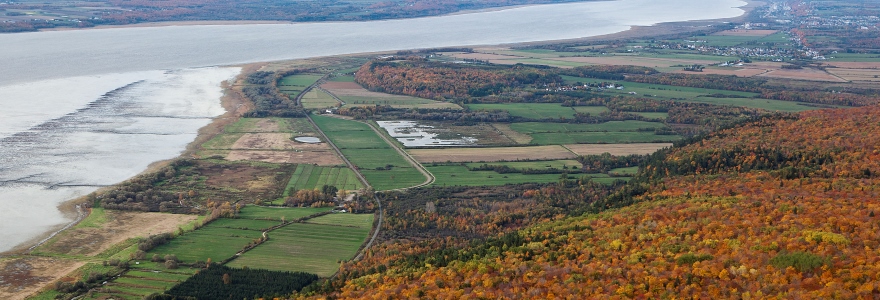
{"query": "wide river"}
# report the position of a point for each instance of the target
(83, 109)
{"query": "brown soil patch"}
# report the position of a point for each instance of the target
(745, 72)
(803, 74)
(274, 141)
(120, 226)
(340, 85)
(513, 135)
(266, 125)
(21, 277)
(321, 158)
(856, 74)
(746, 32)
(853, 65)
(491, 154)
(362, 92)
(635, 61)
(617, 149)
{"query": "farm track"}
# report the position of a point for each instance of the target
(429, 178)
(348, 163)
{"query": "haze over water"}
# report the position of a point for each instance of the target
(89, 108)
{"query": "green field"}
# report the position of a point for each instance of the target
(629, 125)
(317, 99)
(392, 100)
(593, 110)
(366, 150)
(343, 219)
(460, 175)
(313, 248)
(275, 213)
(530, 110)
(600, 138)
(628, 171)
(293, 85)
(138, 283)
(652, 115)
(314, 177)
(629, 131)
(540, 164)
(211, 241)
(688, 94)
(344, 78)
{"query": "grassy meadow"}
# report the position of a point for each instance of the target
(313, 248)
(370, 153)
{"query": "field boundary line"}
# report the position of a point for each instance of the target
(341, 103)
(569, 150)
(298, 100)
(367, 186)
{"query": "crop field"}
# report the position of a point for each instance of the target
(313, 248)
(344, 219)
(628, 171)
(372, 155)
(354, 95)
(451, 175)
(530, 110)
(856, 74)
(600, 137)
(275, 213)
(245, 224)
(617, 149)
(688, 94)
(314, 177)
(593, 110)
(552, 152)
(540, 164)
(295, 84)
(317, 99)
(629, 125)
(211, 241)
(136, 284)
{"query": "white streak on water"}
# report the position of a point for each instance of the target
(106, 141)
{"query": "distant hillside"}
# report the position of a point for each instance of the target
(783, 208)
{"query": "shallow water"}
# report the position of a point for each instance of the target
(109, 140)
(413, 134)
(89, 108)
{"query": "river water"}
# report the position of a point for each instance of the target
(83, 109)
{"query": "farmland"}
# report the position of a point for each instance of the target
(317, 99)
(293, 85)
(491, 154)
(354, 95)
(449, 175)
(217, 242)
(380, 164)
(617, 149)
(313, 248)
(535, 111)
(269, 140)
(314, 177)
(141, 282)
(699, 95)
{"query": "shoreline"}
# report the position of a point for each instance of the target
(259, 22)
(234, 103)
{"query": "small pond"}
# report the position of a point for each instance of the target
(307, 139)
